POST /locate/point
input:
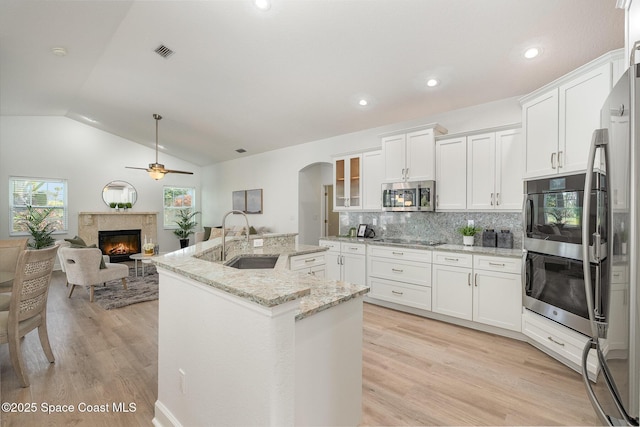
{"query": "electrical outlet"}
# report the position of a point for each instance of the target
(374, 221)
(470, 223)
(183, 381)
(257, 243)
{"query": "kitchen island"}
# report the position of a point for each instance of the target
(256, 347)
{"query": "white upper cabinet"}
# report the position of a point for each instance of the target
(481, 172)
(347, 192)
(372, 178)
(559, 119)
(409, 156)
(451, 174)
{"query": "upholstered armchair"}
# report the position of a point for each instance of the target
(82, 266)
(65, 244)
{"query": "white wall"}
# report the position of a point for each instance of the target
(276, 172)
(310, 196)
(88, 158)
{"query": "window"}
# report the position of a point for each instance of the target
(40, 193)
(175, 199)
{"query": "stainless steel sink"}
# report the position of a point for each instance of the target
(247, 262)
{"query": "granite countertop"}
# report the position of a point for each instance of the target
(266, 287)
(479, 250)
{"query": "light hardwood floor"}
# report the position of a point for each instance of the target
(416, 371)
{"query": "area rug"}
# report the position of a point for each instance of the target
(139, 289)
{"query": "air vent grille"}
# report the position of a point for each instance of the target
(241, 150)
(163, 51)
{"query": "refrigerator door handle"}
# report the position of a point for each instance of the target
(604, 419)
(600, 139)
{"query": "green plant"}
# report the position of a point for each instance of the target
(121, 205)
(113, 205)
(36, 222)
(186, 223)
(469, 230)
(128, 205)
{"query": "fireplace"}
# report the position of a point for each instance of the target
(119, 244)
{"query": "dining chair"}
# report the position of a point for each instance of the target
(28, 306)
(9, 251)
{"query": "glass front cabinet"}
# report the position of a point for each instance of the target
(347, 193)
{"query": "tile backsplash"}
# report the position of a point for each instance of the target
(436, 226)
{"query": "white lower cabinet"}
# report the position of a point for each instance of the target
(400, 275)
(346, 261)
(481, 288)
(313, 264)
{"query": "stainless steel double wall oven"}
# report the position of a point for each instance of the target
(553, 274)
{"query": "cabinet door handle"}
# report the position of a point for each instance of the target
(406, 174)
(354, 249)
(559, 159)
(397, 270)
(451, 259)
(403, 175)
(553, 162)
(310, 260)
(469, 279)
(312, 273)
(491, 199)
(556, 342)
(475, 280)
(397, 293)
(497, 264)
(398, 253)
(497, 199)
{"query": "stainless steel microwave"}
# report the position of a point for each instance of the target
(409, 196)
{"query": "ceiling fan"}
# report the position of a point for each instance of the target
(157, 170)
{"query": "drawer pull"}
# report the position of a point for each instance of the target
(616, 274)
(469, 279)
(475, 279)
(397, 270)
(354, 249)
(398, 253)
(556, 342)
(497, 264)
(451, 259)
(397, 293)
(310, 260)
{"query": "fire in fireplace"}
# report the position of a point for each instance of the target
(119, 244)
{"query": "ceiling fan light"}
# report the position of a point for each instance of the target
(157, 175)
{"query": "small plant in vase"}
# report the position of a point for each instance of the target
(113, 205)
(468, 232)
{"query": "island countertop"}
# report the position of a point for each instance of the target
(266, 287)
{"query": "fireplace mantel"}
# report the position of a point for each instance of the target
(89, 223)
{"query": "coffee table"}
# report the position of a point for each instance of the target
(144, 259)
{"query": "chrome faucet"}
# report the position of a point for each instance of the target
(224, 218)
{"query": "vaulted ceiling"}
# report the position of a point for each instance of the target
(240, 77)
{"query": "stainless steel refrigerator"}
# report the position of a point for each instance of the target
(613, 299)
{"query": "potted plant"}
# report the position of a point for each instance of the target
(113, 205)
(468, 232)
(128, 205)
(186, 225)
(37, 223)
(120, 206)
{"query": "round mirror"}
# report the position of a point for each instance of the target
(119, 192)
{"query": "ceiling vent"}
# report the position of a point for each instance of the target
(163, 51)
(241, 150)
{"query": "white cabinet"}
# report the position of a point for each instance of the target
(481, 288)
(494, 171)
(346, 261)
(313, 264)
(409, 156)
(559, 119)
(618, 337)
(451, 174)
(347, 192)
(372, 178)
(400, 275)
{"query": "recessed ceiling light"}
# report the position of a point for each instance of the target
(531, 53)
(262, 4)
(241, 150)
(432, 82)
(59, 51)
(363, 103)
